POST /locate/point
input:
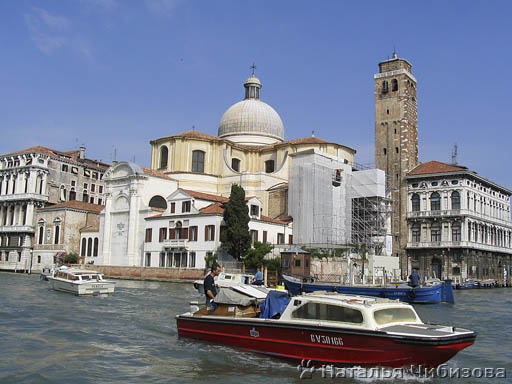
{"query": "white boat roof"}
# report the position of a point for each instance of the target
(75, 271)
(338, 298)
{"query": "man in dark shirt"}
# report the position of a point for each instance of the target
(210, 290)
(414, 279)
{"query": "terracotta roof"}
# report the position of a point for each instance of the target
(217, 209)
(71, 156)
(155, 173)
(206, 196)
(278, 186)
(75, 204)
(307, 140)
(191, 134)
(212, 209)
(154, 217)
(435, 167)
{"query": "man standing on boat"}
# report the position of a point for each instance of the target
(258, 278)
(210, 289)
(414, 279)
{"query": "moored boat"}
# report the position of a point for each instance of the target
(429, 294)
(80, 282)
(328, 328)
(225, 279)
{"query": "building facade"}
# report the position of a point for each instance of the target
(58, 230)
(396, 139)
(34, 178)
(189, 230)
(459, 224)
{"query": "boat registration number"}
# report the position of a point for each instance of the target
(97, 286)
(329, 340)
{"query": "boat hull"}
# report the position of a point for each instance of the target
(89, 288)
(442, 292)
(323, 345)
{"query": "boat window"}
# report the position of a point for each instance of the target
(327, 312)
(394, 315)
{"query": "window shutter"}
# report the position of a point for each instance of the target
(206, 233)
(213, 232)
(172, 233)
(264, 236)
(184, 233)
(173, 207)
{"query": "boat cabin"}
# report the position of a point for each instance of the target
(78, 275)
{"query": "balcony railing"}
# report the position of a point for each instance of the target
(457, 212)
(457, 244)
(24, 196)
(16, 228)
(176, 243)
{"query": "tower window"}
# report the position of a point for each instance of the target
(387, 111)
(394, 85)
(385, 86)
(396, 149)
(385, 151)
(164, 155)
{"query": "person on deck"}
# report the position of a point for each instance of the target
(210, 289)
(414, 279)
(258, 278)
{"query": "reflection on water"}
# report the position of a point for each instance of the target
(131, 337)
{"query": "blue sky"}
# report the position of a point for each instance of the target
(113, 73)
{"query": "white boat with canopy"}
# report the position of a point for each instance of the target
(80, 282)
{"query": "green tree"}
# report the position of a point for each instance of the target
(255, 256)
(235, 237)
(210, 259)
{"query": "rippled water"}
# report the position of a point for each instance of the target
(131, 337)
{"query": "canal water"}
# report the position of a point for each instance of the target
(131, 337)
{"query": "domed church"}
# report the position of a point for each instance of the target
(249, 149)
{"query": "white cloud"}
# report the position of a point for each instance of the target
(162, 7)
(50, 33)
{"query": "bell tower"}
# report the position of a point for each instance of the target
(396, 140)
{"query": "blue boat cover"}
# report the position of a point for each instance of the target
(275, 304)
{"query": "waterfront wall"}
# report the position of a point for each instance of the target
(146, 273)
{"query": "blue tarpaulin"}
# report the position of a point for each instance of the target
(275, 303)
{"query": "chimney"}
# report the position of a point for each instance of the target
(82, 153)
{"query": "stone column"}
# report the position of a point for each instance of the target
(132, 226)
(30, 214)
(44, 180)
(106, 234)
(32, 182)
(2, 215)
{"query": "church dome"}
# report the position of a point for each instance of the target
(251, 121)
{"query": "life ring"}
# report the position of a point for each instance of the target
(411, 294)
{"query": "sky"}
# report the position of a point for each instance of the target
(114, 74)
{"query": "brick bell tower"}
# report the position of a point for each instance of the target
(396, 140)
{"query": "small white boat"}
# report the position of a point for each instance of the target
(80, 282)
(226, 280)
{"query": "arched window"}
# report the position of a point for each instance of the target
(62, 193)
(72, 195)
(198, 161)
(385, 86)
(89, 246)
(435, 202)
(415, 202)
(435, 232)
(164, 155)
(456, 232)
(40, 236)
(269, 166)
(96, 241)
(416, 233)
(84, 246)
(158, 202)
(455, 200)
(56, 238)
(39, 184)
(235, 164)
(394, 85)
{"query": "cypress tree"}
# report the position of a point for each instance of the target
(235, 238)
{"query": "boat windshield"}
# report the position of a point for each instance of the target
(394, 315)
(328, 312)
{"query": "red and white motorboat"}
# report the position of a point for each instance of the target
(327, 328)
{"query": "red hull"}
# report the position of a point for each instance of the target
(321, 345)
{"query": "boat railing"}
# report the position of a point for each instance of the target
(345, 279)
